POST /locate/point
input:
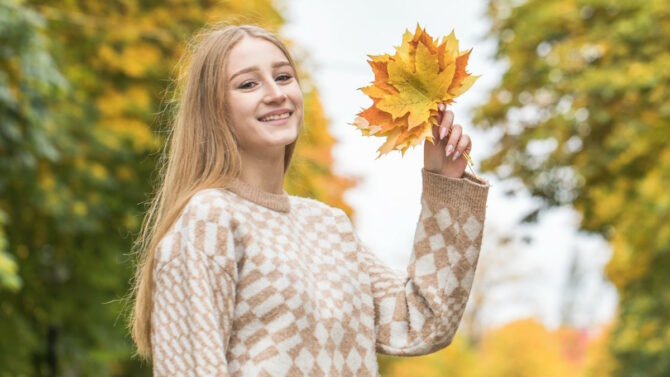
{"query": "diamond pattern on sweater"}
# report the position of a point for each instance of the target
(248, 288)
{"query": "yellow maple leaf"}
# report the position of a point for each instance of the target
(408, 87)
(418, 91)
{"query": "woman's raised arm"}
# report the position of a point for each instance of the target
(418, 312)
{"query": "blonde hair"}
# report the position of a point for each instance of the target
(202, 153)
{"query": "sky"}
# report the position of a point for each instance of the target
(523, 278)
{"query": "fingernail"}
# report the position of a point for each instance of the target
(443, 132)
(450, 148)
(456, 155)
(441, 107)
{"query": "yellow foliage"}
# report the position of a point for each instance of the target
(625, 263)
(7, 265)
(98, 171)
(138, 97)
(138, 59)
(599, 362)
(459, 359)
(46, 180)
(134, 60)
(114, 131)
(523, 348)
(79, 208)
(518, 349)
(408, 87)
(124, 174)
(113, 103)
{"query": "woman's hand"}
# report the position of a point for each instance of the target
(445, 157)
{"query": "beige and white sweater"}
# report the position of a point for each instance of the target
(252, 283)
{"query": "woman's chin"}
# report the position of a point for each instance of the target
(286, 135)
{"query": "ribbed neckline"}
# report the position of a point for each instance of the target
(277, 202)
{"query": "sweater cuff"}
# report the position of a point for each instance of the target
(466, 193)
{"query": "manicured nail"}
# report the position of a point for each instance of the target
(450, 148)
(456, 155)
(441, 107)
(443, 132)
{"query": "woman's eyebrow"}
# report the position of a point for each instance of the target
(255, 68)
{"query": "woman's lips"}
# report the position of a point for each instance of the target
(278, 122)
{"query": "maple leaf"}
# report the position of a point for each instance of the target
(418, 91)
(408, 87)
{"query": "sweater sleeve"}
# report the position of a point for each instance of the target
(418, 312)
(193, 304)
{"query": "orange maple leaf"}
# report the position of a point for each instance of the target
(408, 87)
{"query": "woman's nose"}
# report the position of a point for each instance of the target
(274, 93)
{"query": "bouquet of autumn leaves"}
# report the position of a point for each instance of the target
(408, 87)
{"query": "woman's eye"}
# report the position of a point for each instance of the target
(282, 77)
(246, 85)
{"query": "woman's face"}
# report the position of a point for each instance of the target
(261, 82)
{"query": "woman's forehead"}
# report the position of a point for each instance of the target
(250, 52)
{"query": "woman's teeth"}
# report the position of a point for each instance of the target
(274, 117)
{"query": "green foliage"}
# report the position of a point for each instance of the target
(584, 110)
(9, 279)
(28, 81)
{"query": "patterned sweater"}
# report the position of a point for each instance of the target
(253, 283)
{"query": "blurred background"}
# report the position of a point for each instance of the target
(569, 124)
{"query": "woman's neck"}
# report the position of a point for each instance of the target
(266, 173)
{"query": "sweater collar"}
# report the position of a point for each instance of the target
(276, 202)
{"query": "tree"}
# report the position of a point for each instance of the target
(524, 348)
(520, 348)
(29, 83)
(584, 109)
(459, 359)
(29, 80)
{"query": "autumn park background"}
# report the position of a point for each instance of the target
(84, 104)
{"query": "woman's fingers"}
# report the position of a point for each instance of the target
(464, 145)
(455, 136)
(457, 142)
(445, 125)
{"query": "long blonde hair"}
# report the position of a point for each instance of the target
(202, 153)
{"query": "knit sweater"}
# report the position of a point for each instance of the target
(254, 283)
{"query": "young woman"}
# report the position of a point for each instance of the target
(237, 277)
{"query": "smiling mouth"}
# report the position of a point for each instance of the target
(276, 117)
